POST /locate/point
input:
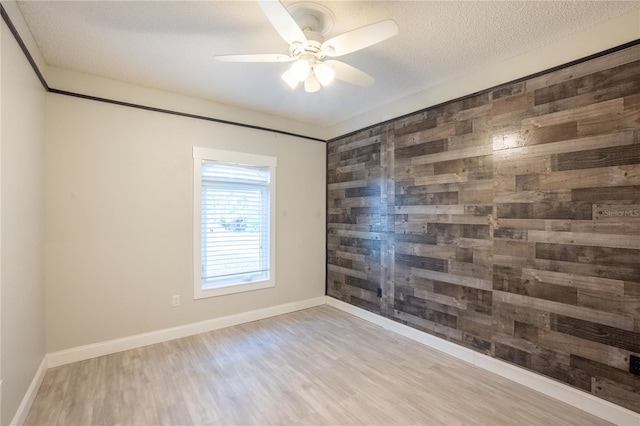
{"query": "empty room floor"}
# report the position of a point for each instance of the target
(319, 366)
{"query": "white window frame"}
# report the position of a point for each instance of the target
(200, 154)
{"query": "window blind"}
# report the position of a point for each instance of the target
(235, 223)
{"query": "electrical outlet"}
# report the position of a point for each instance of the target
(175, 300)
(634, 364)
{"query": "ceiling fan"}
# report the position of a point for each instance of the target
(308, 47)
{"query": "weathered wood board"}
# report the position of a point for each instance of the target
(507, 222)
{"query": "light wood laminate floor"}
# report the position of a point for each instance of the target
(319, 366)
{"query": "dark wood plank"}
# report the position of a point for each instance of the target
(597, 332)
(415, 123)
(508, 91)
(434, 198)
(451, 232)
(603, 157)
(597, 369)
(426, 148)
(609, 256)
(550, 210)
(422, 309)
(421, 262)
(362, 191)
(607, 193)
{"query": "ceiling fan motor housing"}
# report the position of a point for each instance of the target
(315, 21)
(312, 47)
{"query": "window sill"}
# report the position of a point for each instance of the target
(202, 293)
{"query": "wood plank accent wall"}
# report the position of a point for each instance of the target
(507, 222)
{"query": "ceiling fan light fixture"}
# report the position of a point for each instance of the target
(290, 79)
(304, 26)
(311, 84)
(300, 69)
(324, 73)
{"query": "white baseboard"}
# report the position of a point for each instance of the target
(574, 397)
(82, 353)
(30, 396)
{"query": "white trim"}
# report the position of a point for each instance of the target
(202, 153)
(82, 353)
(554, 389)
(202, 293)
(30, 396)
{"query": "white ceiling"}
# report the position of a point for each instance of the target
(170, 45)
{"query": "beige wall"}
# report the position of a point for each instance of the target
(119, 220)
(22, 224)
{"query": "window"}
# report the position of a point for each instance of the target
(234, 222)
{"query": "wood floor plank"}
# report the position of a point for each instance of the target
(319, 366)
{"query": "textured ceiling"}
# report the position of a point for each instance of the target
(171, 45)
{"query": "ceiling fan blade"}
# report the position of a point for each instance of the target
(260, 57)
(282, 21)
(346, 72)
(360, 38)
